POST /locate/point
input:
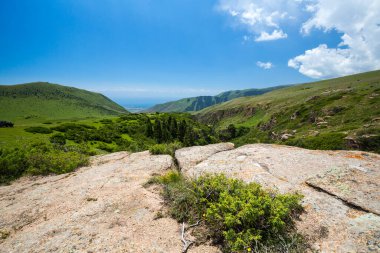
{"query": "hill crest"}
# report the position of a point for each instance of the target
(53, 101)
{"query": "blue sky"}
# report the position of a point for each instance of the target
(138, 50)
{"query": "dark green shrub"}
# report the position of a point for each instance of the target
(105, 147)
(6, 123)
(71, 126)
(38, 159)
(58, 139)
(369, 143)
(324, 141)
(166, 148)
(106, 121)
(38, 130)
(241, 217)
(13, 164)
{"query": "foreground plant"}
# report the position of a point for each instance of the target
(238, 216)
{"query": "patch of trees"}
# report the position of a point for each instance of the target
(142, 131)
(4, 123)
(169, 129)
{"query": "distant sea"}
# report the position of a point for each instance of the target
(138, 105)
(136, 108)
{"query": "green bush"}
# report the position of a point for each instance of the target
(324, 141)
(166, 148)
(105, 147)
(241, 217)
(58, 139)
(38, 159)
(38, 130)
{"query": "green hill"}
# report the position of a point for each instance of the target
(201, 102)
(46, 101)
(340, 113)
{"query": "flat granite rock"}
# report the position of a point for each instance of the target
(100, 208)
(188, 157)
(332, 224)
(357, 185)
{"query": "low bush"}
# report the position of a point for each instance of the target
(6, 123)
(324, 141)
(38, 159)
(58, 139)
(105, 147)
(240, 217)
(369, 143)
(166, 148)
(38, 130)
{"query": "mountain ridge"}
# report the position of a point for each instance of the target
(192, 104)
(339, 113)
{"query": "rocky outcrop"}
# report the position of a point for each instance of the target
(340, 188)
(100, 208)
(105, 208)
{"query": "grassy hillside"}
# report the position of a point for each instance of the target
(201, 102)
(45, 101)
(341, 113)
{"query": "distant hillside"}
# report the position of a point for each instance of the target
(340, 113)
(201, 102)
(52, 101)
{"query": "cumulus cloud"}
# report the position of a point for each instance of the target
(264, 65)
(275, 35)
(359, 49)
(263, 18)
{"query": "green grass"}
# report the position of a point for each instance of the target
(345, 106)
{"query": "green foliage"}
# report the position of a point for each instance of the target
(58, 139)
(325, 141)
(39, 130)
(38, 159)
(165, 148)
(127, 132)
(239, 216)
(105, 147)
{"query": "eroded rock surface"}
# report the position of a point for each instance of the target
(101, 208)
(105, 208)
(330, 220)
(188, 157)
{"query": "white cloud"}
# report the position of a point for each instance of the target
(262, 18)
(265, 65)
(359, 49)
(275, 35)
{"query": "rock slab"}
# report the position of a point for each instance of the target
(331, 181)
(100, 208)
